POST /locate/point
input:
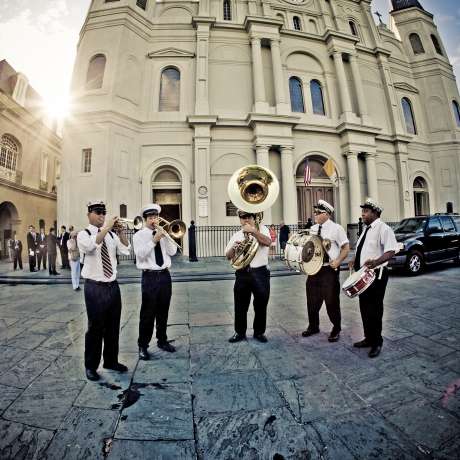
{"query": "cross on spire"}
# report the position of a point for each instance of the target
(380, 17)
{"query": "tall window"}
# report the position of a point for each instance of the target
(9, 152)
(296, 23)
(95, 75)
(123, 210)
(456, 109)
(317, 97)
(142, 4)
(416, 43)
(170, 90)
(436, 45)
(86, 160)
(44, 168)
(353, 28)
(227, 10)
(408, 116)
(295, 91)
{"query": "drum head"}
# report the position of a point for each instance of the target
(308, 251)
(351, 280)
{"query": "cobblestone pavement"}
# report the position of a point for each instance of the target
(291, 398)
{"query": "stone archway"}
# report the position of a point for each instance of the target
(421, 197)
(321, 187)
(167, 192)
(8, 224)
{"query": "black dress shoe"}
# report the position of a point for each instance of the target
(237, 338)
(334, 335)
(116, 367)
(361, 344)
(92, 375)
(261, 338)
(166, 346)
(144, 354)
(310, 332)
(375, 351)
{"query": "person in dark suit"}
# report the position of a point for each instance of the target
(63, 238)
(42, 249)
(52, 243)
(285, 231)
(32, 247)
(16, 251)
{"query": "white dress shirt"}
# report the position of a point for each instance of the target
(380, 238)
(144, 248)
(335, 233)
(92, 268)
(261, 257)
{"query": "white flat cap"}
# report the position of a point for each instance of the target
(151, 208)
(94, 205)
(372, 204)
(324, 206)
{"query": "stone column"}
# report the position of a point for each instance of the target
(281, 106)
(344, 93)
(260, 104)
(371, 172)
(201, 82)
(354, 186)
(289, 189)
(262, 157)
(362, 106)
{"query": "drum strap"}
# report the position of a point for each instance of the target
(326, 258)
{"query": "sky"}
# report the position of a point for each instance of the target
(39, 38)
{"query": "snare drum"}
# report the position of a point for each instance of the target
(358, 282)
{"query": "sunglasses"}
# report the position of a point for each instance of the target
(99, 212)
(246, 216)
(317, 213)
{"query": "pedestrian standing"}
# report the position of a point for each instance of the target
(63, 238)
(74, 260)
(102, 294)
(273, 237)
(52, 245)
(16, 251)
(42, 249)
(32, 248)
(284, 237)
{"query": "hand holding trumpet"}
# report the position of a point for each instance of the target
(159, 234)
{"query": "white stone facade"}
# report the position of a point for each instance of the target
(234, 108)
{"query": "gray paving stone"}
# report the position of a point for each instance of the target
(9, 357)
(146, 450)
(426, 346)
(82, 434)
(162, 412)
(250, 390)
(7, 396)
(18, 441)
(451, 361)
(263, 434)
(211, 334)
(163, 371)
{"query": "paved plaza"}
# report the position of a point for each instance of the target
(291, 398)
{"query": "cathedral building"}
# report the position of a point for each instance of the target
(170, 97)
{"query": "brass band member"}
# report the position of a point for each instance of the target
(153, 256)
(325, 286)
(376, 246)
(253, 279)
(102, 295)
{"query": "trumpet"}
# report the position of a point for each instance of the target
(123, 223)
(174, 229)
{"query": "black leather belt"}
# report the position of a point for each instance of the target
(249, 269)
(101, 283)
(147, 270)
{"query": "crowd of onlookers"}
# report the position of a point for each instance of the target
(43, 249)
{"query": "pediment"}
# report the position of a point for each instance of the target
(170, 52)
(406, 87)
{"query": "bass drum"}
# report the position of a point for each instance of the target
(304, 253)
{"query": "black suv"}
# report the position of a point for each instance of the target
(426, 240)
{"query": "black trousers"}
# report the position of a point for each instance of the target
(17, 259)
(32, 261)
(41, 256)
(323, 287)
(103, 307)
(52, 263)
(156, 297)
(64, 257)
(371, 306)
(254, 282)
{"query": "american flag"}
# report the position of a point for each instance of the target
(307, 174)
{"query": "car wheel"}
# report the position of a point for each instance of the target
(415, 263)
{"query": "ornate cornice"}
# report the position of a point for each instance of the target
(406, 87)
(170, 52)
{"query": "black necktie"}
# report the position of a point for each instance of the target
(357, 264)
(158, 254)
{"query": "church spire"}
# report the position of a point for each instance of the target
(404, 4)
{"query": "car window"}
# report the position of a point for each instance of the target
(434, 225)
(410, 226)
(447, 224)
(457, 222)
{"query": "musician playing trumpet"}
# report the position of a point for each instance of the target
(325, 286)
(153, 249)
(253, 279)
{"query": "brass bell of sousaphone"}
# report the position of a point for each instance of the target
(252, 189)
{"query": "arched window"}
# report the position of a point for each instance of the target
(421, 197)
(408, 116)
(296, 23)
(227, 10)
(416, 43)
(353, 28)
(9, 152)
(456, 108)
(313, 28)
(280, 17)
(317, 97)
(95, 75)
(123, 210)
(170, 90)
(436, 45)
(141, 4)
(295, 91)
(41, 223)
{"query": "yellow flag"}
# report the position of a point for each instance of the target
(329, 169)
